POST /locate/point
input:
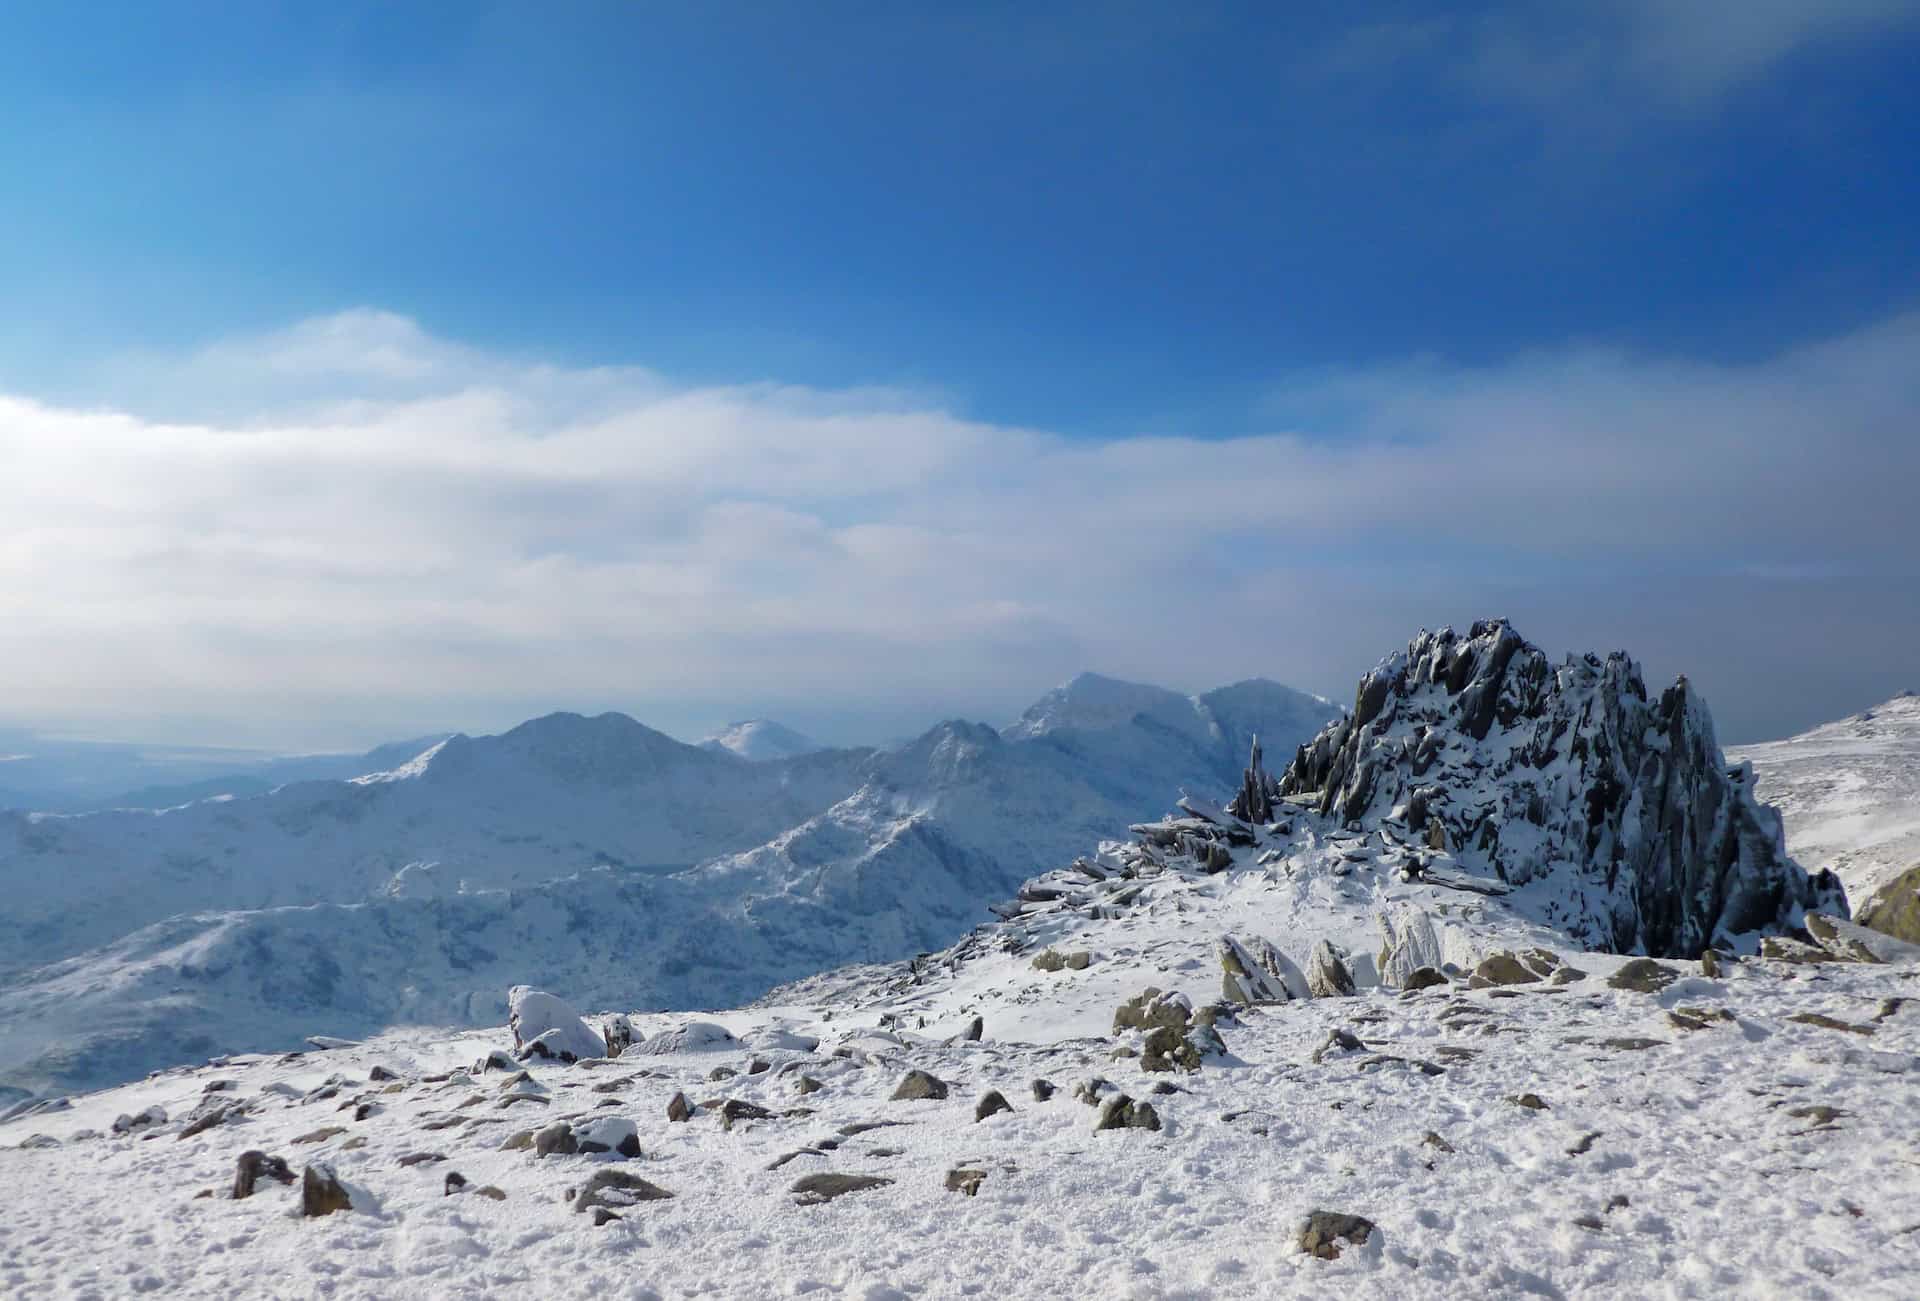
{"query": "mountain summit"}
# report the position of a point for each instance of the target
(761, 739)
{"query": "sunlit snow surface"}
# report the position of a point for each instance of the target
(1849, 792)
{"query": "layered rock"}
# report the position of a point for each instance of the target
(1485, 752)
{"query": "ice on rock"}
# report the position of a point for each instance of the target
(539, 1018)
(692, 1037)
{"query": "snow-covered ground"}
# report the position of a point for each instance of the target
(1849, 792)
(1758, 1156)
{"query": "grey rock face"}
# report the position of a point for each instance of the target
(1530, 768)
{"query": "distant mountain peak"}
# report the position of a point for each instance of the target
(760, 740)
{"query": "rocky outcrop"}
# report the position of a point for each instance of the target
(1490, 756)
(1894, 909)
(1327, 973)
(1250, 975)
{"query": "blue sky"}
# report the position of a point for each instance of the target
(1008, 238)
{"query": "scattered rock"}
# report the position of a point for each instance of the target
(1043, 1089)
(1325, 1231)
(1820, 1114)
(618, 1033)
(520, 1142)
(1250, 979)
(1091, 1091)
(1338, 1041)
(918, 1085)
(1709, 964)
(555, 1140)
(320, 1135)
(1631, 1044)
(422, 1158)
(1054, 960)
(321, 1192)
(1585, 1145)
(253, 1166)
(991, 1103)
(1423, 978)
(962, 1180)
(616, 1189)
(148, 1119)
(1122, 1112)
(813, 1189)
(1509, 968)
(720, 1073)
(1829, 1023)
(1434, 1141)
(1327, 974)
(807, 1084)
(975, 1029)
(210, 1112)
(1643, 976)
(1531, 1101)
(380, 1073)
(678, 1108)
(535, 1016)
(1151, 1009)
(608, 1134)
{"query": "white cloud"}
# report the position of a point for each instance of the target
(432, 528)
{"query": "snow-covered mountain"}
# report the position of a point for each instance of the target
(760, 739)
(547, 854)
(1344, 973)
(1850, 793)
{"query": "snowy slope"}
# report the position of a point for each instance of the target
(418, 894)
(760, 739)
(1850, 793)
(1743, 1135)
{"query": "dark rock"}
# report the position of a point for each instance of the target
(1631, 1044)
(918, 1085)
(1531, 1101)
(740, 1109)
(1122, 1112)
(1585, 1145)
(321, 1192)
(379, 1074)
(975, 1028)
(1042, 1090)
(678, 1108)
(616, 1189)
(252, 1167)
(1324, 1232)
(601, 1215)
(1338, 1041)
(1829, 1023)
(813, 1189)
(423, 1158)
(1433, 1140)
(1424, 978)
(320, 1135)
(455, 1181)
(991, 1103)
(759, 1066)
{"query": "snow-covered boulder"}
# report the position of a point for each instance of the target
(693, 1037)
(536, 1016)
(1327, 973)
(1248, 977)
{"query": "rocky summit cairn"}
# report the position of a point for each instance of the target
(1498, 760)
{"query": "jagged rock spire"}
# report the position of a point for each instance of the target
(1254, 803)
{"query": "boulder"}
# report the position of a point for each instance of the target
(1042, 1090)
(535, 1016)
(919, 1085)
(678, 1108)
(1325, 1232)
(1852, 942)
(610, 1189)
(1423, 978)
(1508, 968)
(1643, 976)
(1121, 1112)
(555, 1140)
(1327, 974)
(148, 1119)
(1246, 978)
(991, 1103)
(614, 1134)
(1150, 1009)
(322, 1192)
(813, 1189)
(1894, 909)
(253, 1166)
(619, 1034)
(692, 1037)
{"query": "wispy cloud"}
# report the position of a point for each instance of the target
(410, 524)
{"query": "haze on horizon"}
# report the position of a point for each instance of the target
(367, 373)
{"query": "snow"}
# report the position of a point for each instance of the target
(1850, 793)
(760, 739)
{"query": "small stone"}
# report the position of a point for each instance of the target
(490, 1192)
(601, 1215)
(1042, 1090)
(975, 1028)
(1324, 1232)
(1591, 1223)
(520, 1142)
(422, 1158)
(919, 1085)
(1709, 964)
(991, 1103)
(453, 1183)
(719, 1073)
(1424, 978)
(1585, 1145)
(740, 1109)
(1434, 1141)
(320, 1135)
(759, 1066)
(1338, 1041)
(1617, 1202)
(379, 1073)
(1631, 1044)
(807, 1084)
(1829, 1023)
(1531, 1101)
(678, 1108)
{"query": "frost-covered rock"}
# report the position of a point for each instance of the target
(1565, 774)
(544, 1025)
(614, 1134)
(693, 1037)
(619, 1034)
(1327, 972)
(1247, 978)
(1409, 941)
